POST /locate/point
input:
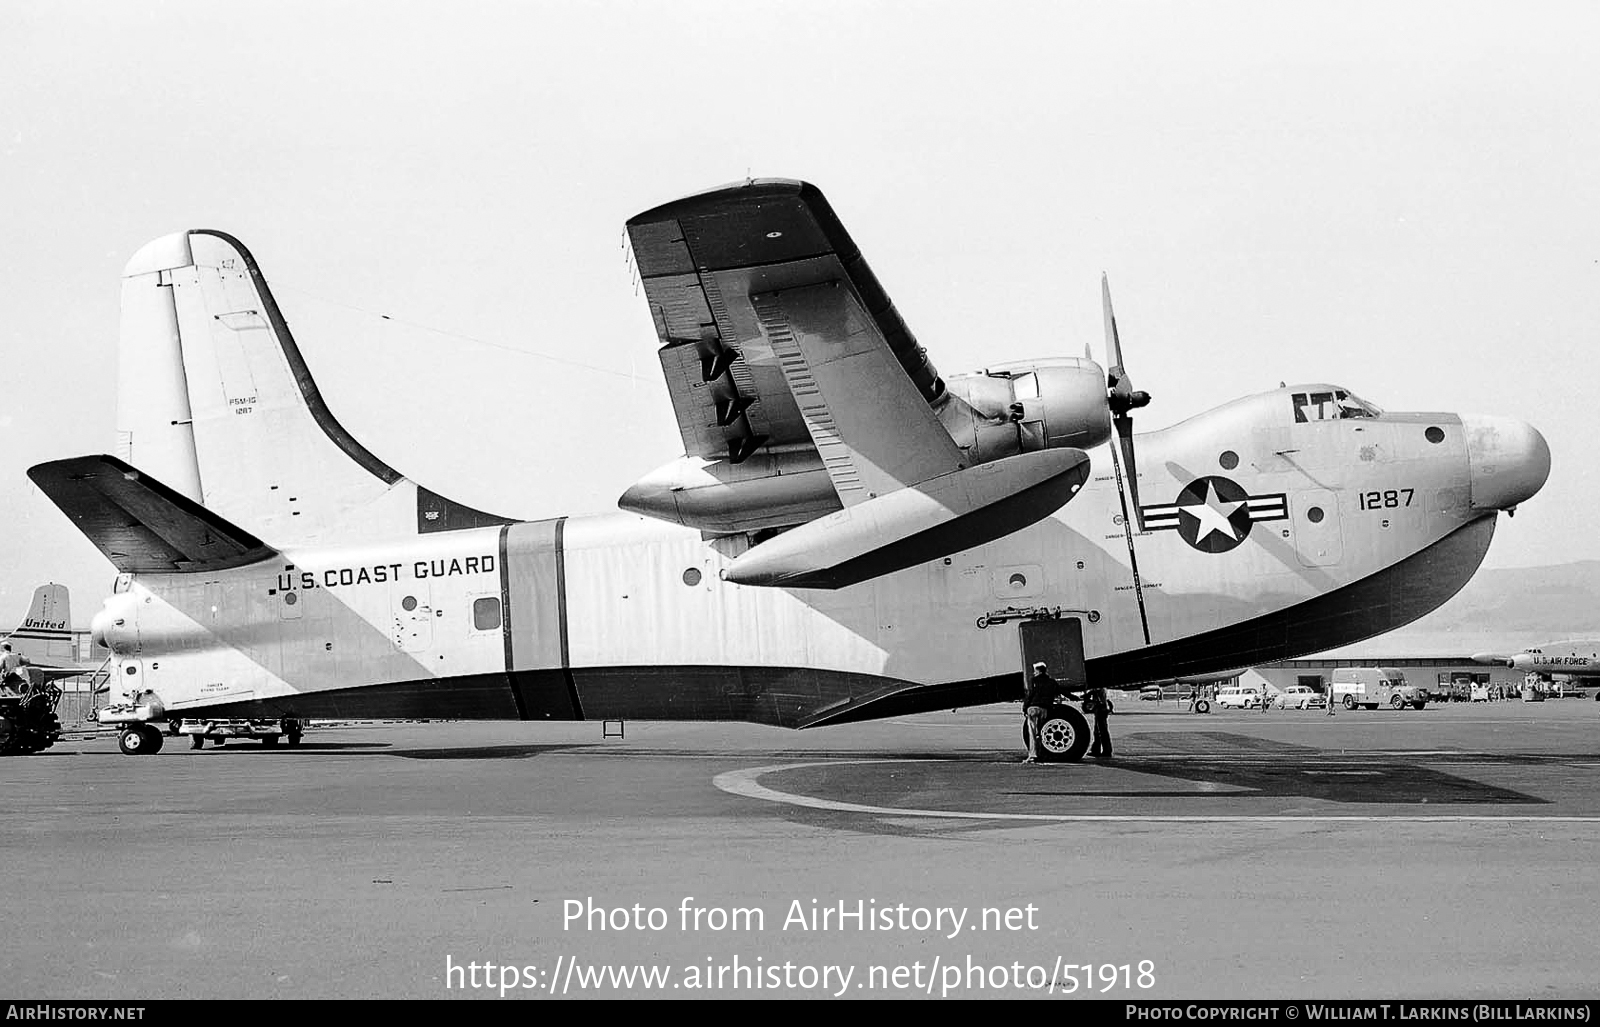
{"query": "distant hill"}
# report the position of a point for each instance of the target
(1499, 610)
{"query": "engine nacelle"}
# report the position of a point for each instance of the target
(1001, 412)
(1023, 407)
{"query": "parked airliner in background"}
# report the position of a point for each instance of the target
(849, 534)
(1571, 659)
(44, 638)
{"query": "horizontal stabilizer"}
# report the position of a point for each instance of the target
(140, 524)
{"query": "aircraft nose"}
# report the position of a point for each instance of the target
(1508, 459)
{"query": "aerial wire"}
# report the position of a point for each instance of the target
(630, 375)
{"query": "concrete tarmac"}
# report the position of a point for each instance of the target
(1442, 853)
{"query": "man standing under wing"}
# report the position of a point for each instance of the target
(1041, 691)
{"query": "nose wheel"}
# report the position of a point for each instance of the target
(139, 740)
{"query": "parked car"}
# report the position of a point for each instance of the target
(1301, 697)
(1242, 697)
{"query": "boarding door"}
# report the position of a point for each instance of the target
(1059, 644)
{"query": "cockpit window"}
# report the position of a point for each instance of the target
(1332, 405)
(1351, 405)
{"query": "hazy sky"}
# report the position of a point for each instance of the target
(1403, 198)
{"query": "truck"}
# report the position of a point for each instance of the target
(1371, 687)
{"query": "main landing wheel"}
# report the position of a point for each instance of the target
(1064, 736)
(139, 740)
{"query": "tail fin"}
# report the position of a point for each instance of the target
(140, 524)
(215, 398)
(45, 634)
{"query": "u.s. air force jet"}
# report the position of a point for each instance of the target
(850, 533)
(1573, 659)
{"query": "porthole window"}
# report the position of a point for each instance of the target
(289, 599)
(1434, 434)
(691, 577)
(409, 603)
(1314, 515)
(486, 613)
(1229, 460)
(1018, 581)
(132, 669)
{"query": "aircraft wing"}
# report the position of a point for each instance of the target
(140, 524)
(775, 333)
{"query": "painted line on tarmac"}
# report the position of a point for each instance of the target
(744, 783)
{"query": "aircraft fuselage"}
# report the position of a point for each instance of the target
(1266, 534)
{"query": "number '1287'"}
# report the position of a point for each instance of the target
(1390, 498)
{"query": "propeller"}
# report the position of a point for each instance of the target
(1122, 401)
(1121, 397)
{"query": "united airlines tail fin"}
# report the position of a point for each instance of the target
(215, 399)
(45, 634)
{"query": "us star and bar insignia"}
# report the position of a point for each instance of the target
(1214, 514)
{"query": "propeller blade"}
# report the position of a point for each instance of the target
(1121, 400)
(1117, 377)
(1124, 426)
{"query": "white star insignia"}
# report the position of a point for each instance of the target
(1212, 515)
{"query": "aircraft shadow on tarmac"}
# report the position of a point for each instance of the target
(1279, 770)
(465, 752)
(1387, 782)
(484, 752)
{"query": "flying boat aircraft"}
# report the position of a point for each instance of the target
(850, 533)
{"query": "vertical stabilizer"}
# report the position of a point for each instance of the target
(154, 427)
(45, 634)
(215, 399)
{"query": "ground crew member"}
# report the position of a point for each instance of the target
(11, 664)
(1036, 699)
(1098, 705)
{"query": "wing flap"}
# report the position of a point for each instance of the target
(703, 259)
(141, 525)
(873, 430)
